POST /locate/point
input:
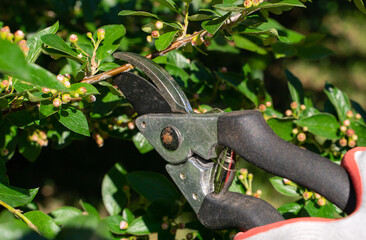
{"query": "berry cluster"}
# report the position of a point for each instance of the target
(348, 135)
(17, 37)
(39, 137)
(252, 3)
(307, 195)
(155, 34)
(247, 179)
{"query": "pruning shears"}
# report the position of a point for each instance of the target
(192, 142)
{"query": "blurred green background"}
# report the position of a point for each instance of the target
(76, 172)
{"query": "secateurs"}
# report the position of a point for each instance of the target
(189, 142)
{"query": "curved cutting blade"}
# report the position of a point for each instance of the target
(165, 83)
(144, 97)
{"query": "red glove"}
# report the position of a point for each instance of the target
(351, 227)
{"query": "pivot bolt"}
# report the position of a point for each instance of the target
(170, 138)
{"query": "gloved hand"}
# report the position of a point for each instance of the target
(350, 227)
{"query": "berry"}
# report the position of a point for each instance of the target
(262, 107)
(256, 2)
(98, 139)
(355, 137)
(123, 225)
(61, 78)
(241, 177)
(268, 104)
(159, 25)
(294, 105)
(301, 137)
(352, 143)
(4, 32)
(66, 98)
(250, 176)
(67, 84)
(349, 114)
(131, 125)
(73, 38)
(149, 38)
(91, 98)
(343, 128)
(82, 90)
(307, 195)
(302, 107)
(317, 195)
(248, 3)
(321, 201)
(45, 90)
(57, 102)
(89, 35)
(155, 34)
(4, 152)
(305, 129)
(346, 122)
(295, 131)
(101, 33)
(164, 226)
(248, 192)
(18, 36)
(53, 91)
(243, 171)
(343, 142)
(350, 132)
(358, 116)
(286, 181)
(4, 84)
(288, 113)
(10, 37)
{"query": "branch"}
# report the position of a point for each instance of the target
(175, 45)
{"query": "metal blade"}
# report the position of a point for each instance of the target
(144, 97)
(162, 80)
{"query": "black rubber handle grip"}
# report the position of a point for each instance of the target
(223, 211)
(247, 133)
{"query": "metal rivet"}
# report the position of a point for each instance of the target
(170, 138)
(195, 196)
(182, 176)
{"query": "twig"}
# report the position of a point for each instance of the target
(175, 45)
(19, 214)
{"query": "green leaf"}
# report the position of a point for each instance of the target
(226, 7)
(90, 209)
(200, 17)
(44, 223)
(128, 215)
(137, 13)
(111, 88)
(280, 3)
(241, 84)
(21, 118)
(360, 130)
(360, 5)
(171, 5)
(290, 208)
(47, 108)
(12, 59)
(113, 223)
(64, 214)
(314, 52)
(282, 127)
(178, 59)
(143, 226)
(35, 44)
(244, 43)
(287, 190)
(42, 77)
(165, 40)
(16, 197)
(141, 143)
(90, 89)
(314, 210)
(114, 198)
(212, 26)
(339, 100)
(56, 42)
(112, 40)
(8, 138)
(73, 119)
(29, 149)
(13, 229)
(108, 66)
(33, 97)
(321, 124)
(295, 87)
(152, 186)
